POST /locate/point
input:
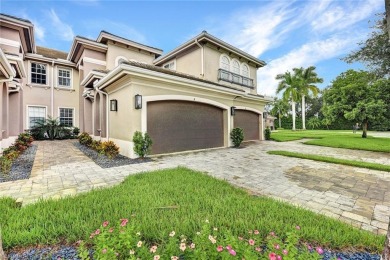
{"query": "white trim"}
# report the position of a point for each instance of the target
(27, 115)
(73, 117)
(57, 77)
(117, 59)
(220, 60)
(92, 74)
(8, 71)
(47, 74)
(94, 61)
(146, 99)
(239, 66)
(169, 65)
(241, 69)
(249, 109)
(9, 42)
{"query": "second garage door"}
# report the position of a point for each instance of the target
(249, 122)
(181, 125)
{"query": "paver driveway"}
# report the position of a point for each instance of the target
(358, 196)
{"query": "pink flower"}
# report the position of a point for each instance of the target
(156, 257)
(104, 251)
(285, 252)
(220, 248)
(228, 247)
(105, 224)
(97, 232)
(124, 221)
(319, 250)
(277, 247)
(256, 232)
(232, 252)
(258, 249)
(298, 228)
(183, 247)
(278, 257)
(309, 247)
(174, 258)
(192, 246)
(272, 233)
(251, 242)
(153, 249)
(272, 256)
(111, 230)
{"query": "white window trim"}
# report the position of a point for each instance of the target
(169, 62)
(47, 74)
(239, 66)
(249, 70)
(117, 59)
(74, 114)
(220, 60)
(57, 76)
(27, 115)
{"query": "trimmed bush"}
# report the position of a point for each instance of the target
(76, 131)
(110, 149)
(237, 136)
(142, 144)
(85, 139)
(267, 133)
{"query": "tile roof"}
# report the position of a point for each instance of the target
(174, 73)
(51, 53)
(102, 71)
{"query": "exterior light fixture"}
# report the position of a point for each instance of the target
(233, 111)
(113, 105)
(138, 101)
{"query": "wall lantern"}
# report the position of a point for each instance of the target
(233, 111)
(138, 101)
(113, 105)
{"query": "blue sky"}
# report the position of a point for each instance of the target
(284, 33)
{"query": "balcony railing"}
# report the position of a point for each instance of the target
(235, 78)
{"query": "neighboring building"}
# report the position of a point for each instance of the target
(188, 99)
(269, 121)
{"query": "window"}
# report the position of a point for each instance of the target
(35, 114)
(170, 65)
(38, 73)
(236, 67)
(245, 70)
(64, 78)
(66, 116)
(225, 64)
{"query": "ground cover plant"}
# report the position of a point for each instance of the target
(368, 165)
(174, 199)
(335, 138)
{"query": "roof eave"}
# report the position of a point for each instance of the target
(77, 40)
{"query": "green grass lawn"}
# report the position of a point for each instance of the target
(373, 166)
(149, 196)
(335, 138)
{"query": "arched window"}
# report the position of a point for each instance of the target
(225, 63)
(236, 67)
(245, 70)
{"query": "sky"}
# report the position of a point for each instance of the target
(283, 33)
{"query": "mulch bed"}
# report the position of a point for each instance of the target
(105, 162)
(21, 167)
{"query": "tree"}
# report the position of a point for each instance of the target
(314, 122)
(279, 109)
(387, 6)
(308, 78)
(289, 84)
(375, 51)
(356, 96)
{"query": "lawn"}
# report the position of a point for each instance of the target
(373, 166)
(175, 199)
(335, 138)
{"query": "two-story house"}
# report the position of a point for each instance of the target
(187, 99)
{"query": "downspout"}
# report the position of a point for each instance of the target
(52, 89)
(202, 55)
(107, 114)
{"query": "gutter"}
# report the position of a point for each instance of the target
(107, 113)
(52, 90)
(202, 55)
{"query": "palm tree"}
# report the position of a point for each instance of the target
(289, 84)
(280, 108)
(308, 78)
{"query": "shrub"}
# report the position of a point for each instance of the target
(85, 139)
(237, 136)
(267, 133)
(97, 146)
(76, 131)
(25, 138)
(142, 144)
(12, 155)
(110, 149)
(124, 241)
(5, 164)
(50, 126)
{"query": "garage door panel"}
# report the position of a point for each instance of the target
(249, 122)
(181, 125)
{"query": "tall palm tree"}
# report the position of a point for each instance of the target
(280, 108)
(308, 77)
(289, 84)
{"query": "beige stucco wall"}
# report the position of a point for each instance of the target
(9, 35)
(189, 62)
(116, 50)
(124, 122)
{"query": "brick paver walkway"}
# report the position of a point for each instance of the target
(358, 196)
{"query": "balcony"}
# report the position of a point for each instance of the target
(235, 78)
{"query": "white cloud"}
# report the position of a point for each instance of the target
(304, 56)
(39, 31)
(62, 29)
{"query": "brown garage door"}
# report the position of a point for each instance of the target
(249, 122)
(181, 126)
